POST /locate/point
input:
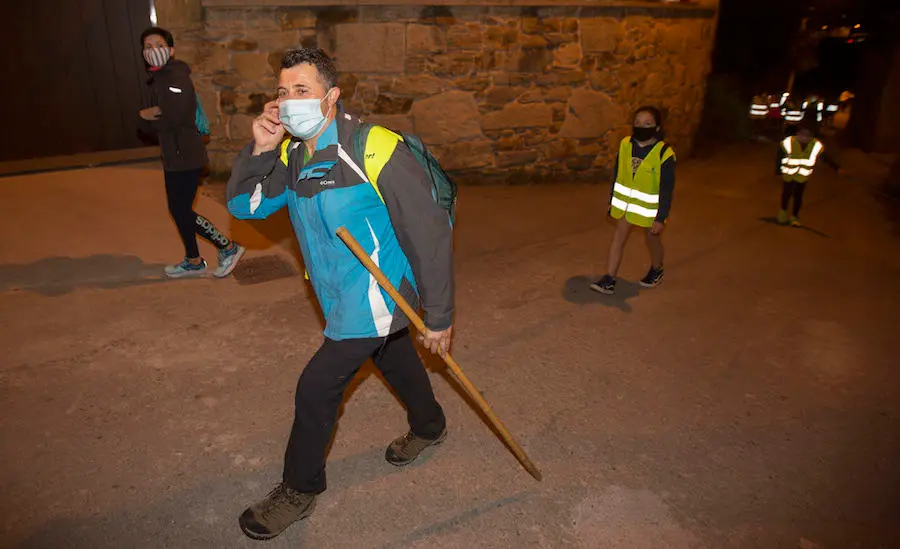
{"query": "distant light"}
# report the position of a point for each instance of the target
(824, 27)
(152, 13)
(856, 26)
(850, 41)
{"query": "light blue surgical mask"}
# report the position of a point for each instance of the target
(302, 118)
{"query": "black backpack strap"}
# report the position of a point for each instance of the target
(360, 136)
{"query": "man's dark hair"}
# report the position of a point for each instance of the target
(654, 112)
(315, 57)
(157, 31)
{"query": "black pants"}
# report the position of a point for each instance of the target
(181, 190)
(321, 388)
(789, 189)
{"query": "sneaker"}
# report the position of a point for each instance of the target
(795, 222)
(653, 279)
(186, 269)
(228, 260)
(783, 217)
(406, 449)
(281, 508)
(606, 285)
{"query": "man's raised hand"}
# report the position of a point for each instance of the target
(267, 130)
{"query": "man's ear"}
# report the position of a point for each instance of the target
(171, 51)
(333, 96)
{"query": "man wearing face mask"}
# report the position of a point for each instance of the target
(302, 157)
(172, 116)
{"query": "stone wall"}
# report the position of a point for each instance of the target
(518, 94)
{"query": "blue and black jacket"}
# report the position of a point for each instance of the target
(405, 232)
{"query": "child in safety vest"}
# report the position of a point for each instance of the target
(797, 158)
(641, 195)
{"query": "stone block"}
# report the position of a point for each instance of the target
(532, 96)
(561, 93)
(251, 66)
(508, 159)
(601, 34)
(590, 115)
(206, 58)
(465, 155)
(396, 122)
(568, 55)
(580, 163)
(562, 77)
(559, 38)
(279, 41)
(263, 20)
(240, 44)
(510, 141)
(559, 149)
(228, 80)
(498, 96)
(297, 19)
(518, 115)
(392, 105)
(455, 64)
(347, 83)
(477, 84)
(447, 117)
(417, 85)
(465, 37)
(227, 19)
(240, 127)
(604, 80)
(530, 60)
(425, 39)
(227, 102)
(501, 37)
(370, 47)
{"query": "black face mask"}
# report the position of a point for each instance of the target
(643, 134)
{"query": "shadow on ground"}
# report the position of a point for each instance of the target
(774, 221)
(61, 275)
(577, 290)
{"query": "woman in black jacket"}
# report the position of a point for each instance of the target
(172, 115)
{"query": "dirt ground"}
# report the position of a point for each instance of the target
(749, 402)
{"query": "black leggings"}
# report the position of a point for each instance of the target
(181, 190)
(792, 188)
(321, 389)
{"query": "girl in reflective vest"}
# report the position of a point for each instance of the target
(641, 195)
(797, 159)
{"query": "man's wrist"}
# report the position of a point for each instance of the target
(259, 150)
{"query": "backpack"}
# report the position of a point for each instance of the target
(200, 119)
(443, 188)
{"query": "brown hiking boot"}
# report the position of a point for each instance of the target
(281, 508)
(406, 449)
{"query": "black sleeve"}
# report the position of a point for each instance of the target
(666, 189)
(424, 232)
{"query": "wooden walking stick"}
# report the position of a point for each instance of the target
(382, 280)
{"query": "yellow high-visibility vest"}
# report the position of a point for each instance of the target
(636, 196)
(799, 161)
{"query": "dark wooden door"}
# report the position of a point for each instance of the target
(72, 76)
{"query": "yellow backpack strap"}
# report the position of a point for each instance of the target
(380, 145)
(285, 151)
